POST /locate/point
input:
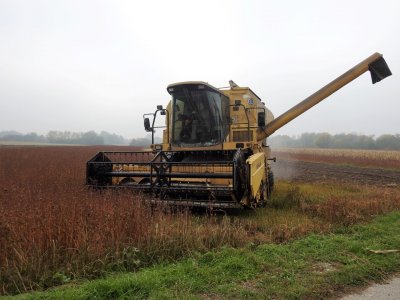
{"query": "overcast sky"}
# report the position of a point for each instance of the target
(100, 65)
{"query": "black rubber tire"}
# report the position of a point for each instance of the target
(127, 181)
(270, 184)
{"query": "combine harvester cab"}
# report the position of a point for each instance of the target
(214, 151)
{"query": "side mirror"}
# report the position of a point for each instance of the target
(261, 119)
(147, 126)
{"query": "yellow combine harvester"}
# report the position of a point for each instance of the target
(214, 151)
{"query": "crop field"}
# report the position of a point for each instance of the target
(54, 230)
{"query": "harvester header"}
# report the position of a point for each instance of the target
(214, 151)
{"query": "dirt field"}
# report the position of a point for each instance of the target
(303, 171)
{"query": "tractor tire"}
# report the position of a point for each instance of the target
(270, 184)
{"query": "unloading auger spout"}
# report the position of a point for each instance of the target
(375, 64)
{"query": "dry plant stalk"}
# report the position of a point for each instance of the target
(53, 229)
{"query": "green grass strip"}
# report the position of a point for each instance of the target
(312, 267)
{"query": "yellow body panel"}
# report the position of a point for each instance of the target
(256, 164)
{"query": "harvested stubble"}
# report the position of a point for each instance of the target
(358, 157)
(53, 229)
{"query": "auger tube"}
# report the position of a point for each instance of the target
(375, 64)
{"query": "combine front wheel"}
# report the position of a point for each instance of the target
(270, 184)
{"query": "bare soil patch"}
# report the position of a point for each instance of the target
(304, 171)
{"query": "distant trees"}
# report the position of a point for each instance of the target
(388, 141)
(144, 142)
(112, 138)
(347, 141)
(18, 137)
(323, 140)
(63, 137)
(66, 137)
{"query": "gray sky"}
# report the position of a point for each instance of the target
(99, 65)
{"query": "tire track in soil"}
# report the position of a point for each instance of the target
(304, 171)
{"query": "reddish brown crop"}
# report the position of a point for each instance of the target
(53, 229)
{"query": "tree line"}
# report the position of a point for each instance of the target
(343, 141)
(66, 137)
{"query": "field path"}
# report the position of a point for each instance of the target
(385, 291)
(316, 172)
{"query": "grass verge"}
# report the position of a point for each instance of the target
(317, 266)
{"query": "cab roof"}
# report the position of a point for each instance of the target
(221, 91)
(209, 86)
